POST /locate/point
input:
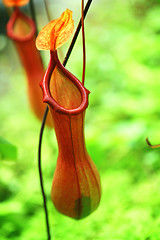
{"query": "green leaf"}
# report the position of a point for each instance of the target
(7, 150)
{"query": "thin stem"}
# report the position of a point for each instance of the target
(44, 121)
(47, 12)
(33, 13)
(76, 33)
(40, 172)
(83, 43)
(150, 145)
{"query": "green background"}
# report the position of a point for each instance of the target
(123, 75)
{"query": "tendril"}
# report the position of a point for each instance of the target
(47, 11)
(33, 13)
(83, 42)
(150, 145)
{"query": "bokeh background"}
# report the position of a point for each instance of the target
(123, 75)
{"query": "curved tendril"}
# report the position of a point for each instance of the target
(83, 41)
(150, 145)
(40, 173)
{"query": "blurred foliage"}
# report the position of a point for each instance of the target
(123, 72)
(7, 150)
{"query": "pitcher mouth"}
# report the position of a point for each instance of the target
(17, 14)
(45, 85)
